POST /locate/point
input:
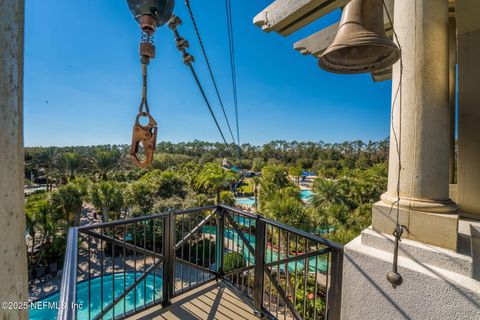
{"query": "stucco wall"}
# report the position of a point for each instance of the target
(427, 292)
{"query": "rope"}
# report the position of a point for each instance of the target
(398, 142)
(207, 61)
(397, 233)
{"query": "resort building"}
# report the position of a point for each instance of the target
(138, 268)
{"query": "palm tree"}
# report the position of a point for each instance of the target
(68, 200)
(30, 228)
(107, 197)
(213, 177)
(256, 183)
(341, 217)
(325, 192)
(295, 172)
(105, 161)
(275, 174)
(68, 164)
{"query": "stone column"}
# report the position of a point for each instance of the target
(13, 271)
(452, 86)
(468, 124)
(421, 121)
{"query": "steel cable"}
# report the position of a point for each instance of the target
(207, 61)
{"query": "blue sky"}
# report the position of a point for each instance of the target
(83, 80)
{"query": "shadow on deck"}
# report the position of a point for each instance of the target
(211, 301)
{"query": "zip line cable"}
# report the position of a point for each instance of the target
(197, 32)
(232, 67)
(188, 59)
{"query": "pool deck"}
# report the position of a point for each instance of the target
(214, 300)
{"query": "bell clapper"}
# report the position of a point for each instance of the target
(393, 276)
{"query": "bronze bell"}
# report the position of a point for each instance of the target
(361, 44)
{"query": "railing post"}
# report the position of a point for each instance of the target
(219, 241)
(168, 256)
(334, 295)
(259, 274)
(68, 289)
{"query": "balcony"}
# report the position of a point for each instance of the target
(174, 265)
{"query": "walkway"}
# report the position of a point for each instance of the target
(209, 302)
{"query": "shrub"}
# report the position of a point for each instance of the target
(227, 198)
(232, 261)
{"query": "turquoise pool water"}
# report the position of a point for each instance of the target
(271, 255)
(306, 195)
(246, 201)
(151, 286)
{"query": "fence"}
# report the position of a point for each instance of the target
(117, 269)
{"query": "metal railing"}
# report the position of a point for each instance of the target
(116, 269)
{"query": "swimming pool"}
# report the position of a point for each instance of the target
(320, 264)
(305, 195)
(247, 201)
(144, 294)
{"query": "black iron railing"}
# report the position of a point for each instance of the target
(116, 269)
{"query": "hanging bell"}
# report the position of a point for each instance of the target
(361, 44)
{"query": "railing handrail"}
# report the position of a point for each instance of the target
(312, 237)
(144, 218)
(309, 236)
(68, 289)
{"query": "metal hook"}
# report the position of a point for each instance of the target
(147, 136)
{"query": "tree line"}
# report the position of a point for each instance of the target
(101, 180)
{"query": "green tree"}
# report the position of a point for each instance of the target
(68, 164)
(258, 164)
(227, 198)
(140, 196)
(166, 184)
(326, 192)
(274, 178)
(214, 178)
(104, 162)
(286, 207)
(296, 173)
(68, 202)
(256, 184)
(275, 174)
(40, 220)
(341, 217)
(108, 198)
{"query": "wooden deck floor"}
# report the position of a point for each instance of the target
(209, 302)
